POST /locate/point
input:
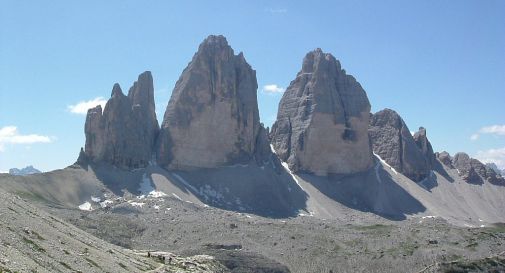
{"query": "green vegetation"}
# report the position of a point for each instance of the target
(33, 245)
(92, 262)
(66, 265)
(495, 264)
(40, 238)
(123, 266)
(404, 248)
(379, 227)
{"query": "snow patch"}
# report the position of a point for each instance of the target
(177, 196)
(146, 188)
(96, 199)
(157, 194)
(272, 149)
(306, 215)
(86, 206)
(385, 163)
(286, 166)
(105, 203)
(429, 217)
(136, 204)
(156, 207)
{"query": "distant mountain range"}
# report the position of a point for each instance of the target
(24, 171)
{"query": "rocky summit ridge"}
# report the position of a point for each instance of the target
(323, 126)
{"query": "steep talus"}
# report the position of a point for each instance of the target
(322, 120)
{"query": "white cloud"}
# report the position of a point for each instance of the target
(474, 137)
(494, 129)
(10, 135)
(498, 130)
(496, 156)
(273, 88)
(83, 106)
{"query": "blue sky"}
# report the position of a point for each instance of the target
(440, 64)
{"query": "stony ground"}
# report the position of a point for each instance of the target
(32, 240)
(137, 215)
(303, 244)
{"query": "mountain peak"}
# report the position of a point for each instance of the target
(116, 91)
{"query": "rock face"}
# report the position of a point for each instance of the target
(212, 117)
(392, 141)
(445, 158)
(322, 120)
(495, 168)
(424, 145)
(475, 172)
(125, 133)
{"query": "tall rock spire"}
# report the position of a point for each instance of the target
(322, 120)
(212, 117)
(125, 133)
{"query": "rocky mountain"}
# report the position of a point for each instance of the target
(125, 133)
(495, 168)
(208, 182)
(470, 169)
(322, 120)
(212, 117)
(24, 171)
(392, 141)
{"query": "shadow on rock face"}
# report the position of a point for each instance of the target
(267, 191)
(439, 168)
(371, 191)
(118, 180)
(429, 182)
